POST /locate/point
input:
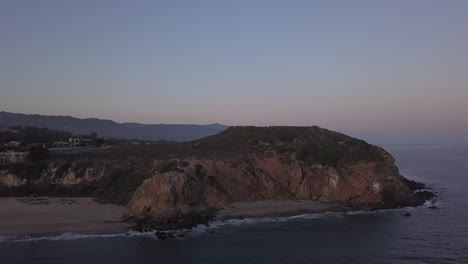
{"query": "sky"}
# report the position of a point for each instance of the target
(390, 68)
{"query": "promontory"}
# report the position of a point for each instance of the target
(172, 185)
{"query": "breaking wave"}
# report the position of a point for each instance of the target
(179, 234)
(201, 229)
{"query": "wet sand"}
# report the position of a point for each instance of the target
(271, 208)
(37, 216)
(45, 216)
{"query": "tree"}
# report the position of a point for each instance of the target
(37, 154)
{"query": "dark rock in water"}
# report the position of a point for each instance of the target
(415, 185)
(161, 235)
(226, 217)
(407, 214)
(180, 235)
(127, 234)
(138, 229)
(424, 196)
(164, 235)
(212, 232)
(170, 219)
(433, 204)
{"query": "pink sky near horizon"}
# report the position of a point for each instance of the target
(373, 67)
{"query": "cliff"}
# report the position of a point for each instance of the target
(180, 185)
(279, 163)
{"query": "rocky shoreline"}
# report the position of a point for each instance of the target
(268, 211)
(38, 207)
(173, 186)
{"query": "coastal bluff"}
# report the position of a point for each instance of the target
(269, 163)
(179, 185)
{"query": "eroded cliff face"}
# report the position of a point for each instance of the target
(179, 185)
(48, 178)
(183, 193)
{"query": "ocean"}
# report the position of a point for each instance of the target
(427, 236)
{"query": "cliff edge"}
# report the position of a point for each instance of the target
(268, 163)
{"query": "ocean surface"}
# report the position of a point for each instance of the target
(427, 236)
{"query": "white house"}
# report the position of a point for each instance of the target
(13, 144)
(13, 157)
(80, 142)
(60, 144)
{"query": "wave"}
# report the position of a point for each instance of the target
(73, 236)
(63, 236)
(201, 229)
(179, 233)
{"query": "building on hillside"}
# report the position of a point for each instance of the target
(60, 144)
(13, 144)
(80, 142)
(13, 157)
(43, 145)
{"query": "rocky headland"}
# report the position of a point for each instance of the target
(179, 185)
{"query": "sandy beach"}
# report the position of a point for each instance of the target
(274, 209)
(43, 215)
(36, 216)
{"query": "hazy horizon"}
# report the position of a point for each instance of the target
(379, 138)
(387, 69)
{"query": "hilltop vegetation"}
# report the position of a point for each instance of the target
(308, 144)
(179, 184)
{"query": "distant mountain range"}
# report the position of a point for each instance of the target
(109, 128)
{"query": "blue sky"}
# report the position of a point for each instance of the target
(362, 67)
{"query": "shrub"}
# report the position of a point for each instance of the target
(119, 185)
(329, 155)
(169, 166)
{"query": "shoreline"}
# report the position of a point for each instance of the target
(272, 209)
(26, 217)
(38, 216)
(51, 216)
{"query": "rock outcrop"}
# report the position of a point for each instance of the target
(280, 163)
(178, 185)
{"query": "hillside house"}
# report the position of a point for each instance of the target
(43, 145)
(13, 157)
(13, 144)
(61, 144)
(80, 142)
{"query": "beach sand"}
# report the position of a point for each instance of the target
(38, 216)
(259, 209)
(46, 216)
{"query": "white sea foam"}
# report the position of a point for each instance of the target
(201, 229)
(252, 221)
(64, 236)
(180, 233)
(433, 203)
(74, 236)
